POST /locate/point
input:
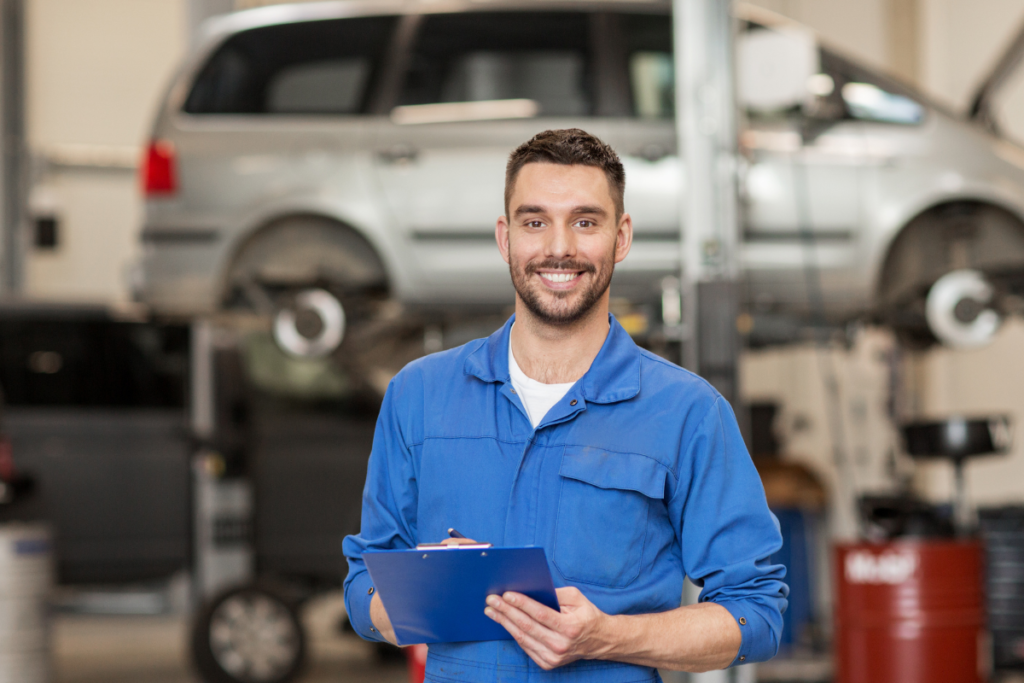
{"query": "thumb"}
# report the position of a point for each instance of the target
(570, 596)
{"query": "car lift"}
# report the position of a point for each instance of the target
(223, 553)
(13, 155)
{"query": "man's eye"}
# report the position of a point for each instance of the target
(585, 223)
(534, 224)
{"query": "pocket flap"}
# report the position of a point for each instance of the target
(609, 470)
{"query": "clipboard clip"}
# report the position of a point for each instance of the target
(453, 546)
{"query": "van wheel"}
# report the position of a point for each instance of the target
(249, 634)
(924, 292)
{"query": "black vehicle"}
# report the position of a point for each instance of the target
(95, 415)
(96, 411)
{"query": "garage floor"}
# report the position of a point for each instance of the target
(153, 649)
(130, 649)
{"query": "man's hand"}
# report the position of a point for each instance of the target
(693, 638)
(552, 638)
(381, 620)
(459, 541)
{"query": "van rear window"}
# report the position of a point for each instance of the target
(316, 67)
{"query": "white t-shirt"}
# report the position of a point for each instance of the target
(538, 398)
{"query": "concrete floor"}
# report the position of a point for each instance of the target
(153, 649)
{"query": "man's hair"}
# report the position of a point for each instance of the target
(569, 147)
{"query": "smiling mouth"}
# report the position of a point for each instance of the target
(560, 277)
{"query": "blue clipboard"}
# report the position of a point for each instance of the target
(439, 595)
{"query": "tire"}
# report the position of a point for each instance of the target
(314, 277)
(248, 634)
(947, 239)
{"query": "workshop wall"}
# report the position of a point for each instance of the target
(834, 415)
(987, 381)
(95, 70)
(961, 41)
(858, 28)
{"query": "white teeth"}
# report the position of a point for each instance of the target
(559, 277)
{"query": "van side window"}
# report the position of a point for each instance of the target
(315, 67)
(649, 60)
(482, 56)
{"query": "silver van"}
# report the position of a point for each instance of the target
(319, 162)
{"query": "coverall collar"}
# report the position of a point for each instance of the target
(613, 376)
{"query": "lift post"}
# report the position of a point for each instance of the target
(706, 130)
(12, 145)
(221, 500)
(708, 232)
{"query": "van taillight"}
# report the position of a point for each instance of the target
(159, 172)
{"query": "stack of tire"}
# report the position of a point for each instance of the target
(25, 581)
(1002, 530)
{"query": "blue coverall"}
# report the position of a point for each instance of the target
(637, 477)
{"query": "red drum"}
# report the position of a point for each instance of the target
(909, 611)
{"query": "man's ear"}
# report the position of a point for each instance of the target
(624, 238)
(501, 236)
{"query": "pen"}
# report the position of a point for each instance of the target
(454, 534)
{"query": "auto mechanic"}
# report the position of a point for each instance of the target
(558, 431)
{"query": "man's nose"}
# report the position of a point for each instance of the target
(561, 242)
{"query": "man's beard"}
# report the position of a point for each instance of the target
(562, 311)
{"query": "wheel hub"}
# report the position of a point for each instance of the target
(253, 638)
(958, 310)
(312, 327)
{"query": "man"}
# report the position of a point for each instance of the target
(558, 431)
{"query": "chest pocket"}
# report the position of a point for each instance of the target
(604, 505)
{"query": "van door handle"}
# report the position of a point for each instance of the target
(398, 154)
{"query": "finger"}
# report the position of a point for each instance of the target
(570, 602)
(555, 644)
(535, 649)
(521, 619)
(538, 612)
(553, 641)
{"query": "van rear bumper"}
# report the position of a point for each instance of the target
(177, 272)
